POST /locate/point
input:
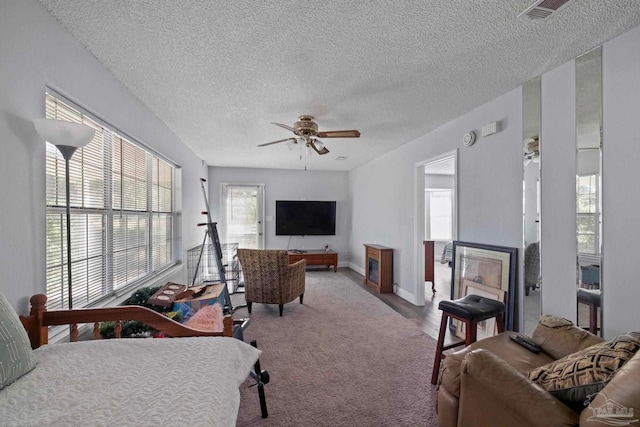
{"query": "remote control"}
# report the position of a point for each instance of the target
(526, 342)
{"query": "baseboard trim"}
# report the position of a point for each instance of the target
(356, 268)
(405, 295)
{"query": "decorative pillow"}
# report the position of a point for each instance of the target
(16, 356)
(559, 337)
(574, 377)
(209, 318)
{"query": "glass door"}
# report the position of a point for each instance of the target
(243, 215)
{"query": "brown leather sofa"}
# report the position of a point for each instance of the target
(486, 383)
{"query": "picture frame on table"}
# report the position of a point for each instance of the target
(489, 265)
(486, 328)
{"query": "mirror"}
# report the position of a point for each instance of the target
(589, 188)
(531, 204)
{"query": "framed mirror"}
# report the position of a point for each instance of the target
(531, 204)
(589, 189)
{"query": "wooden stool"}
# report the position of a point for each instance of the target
(592, 299)
(470, 310)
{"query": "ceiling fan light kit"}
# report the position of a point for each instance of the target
(307, 134)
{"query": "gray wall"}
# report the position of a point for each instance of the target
(35, 51)
(281, 184)
(558, 249)
(383, 192)
(490, 188)
(621, 198)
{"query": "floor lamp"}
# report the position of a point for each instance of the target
(67, 137)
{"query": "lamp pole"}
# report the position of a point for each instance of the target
(67, 152)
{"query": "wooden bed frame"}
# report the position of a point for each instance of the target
(39, 319)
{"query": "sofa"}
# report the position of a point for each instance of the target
(497, 382)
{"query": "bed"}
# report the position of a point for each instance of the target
(193, 380)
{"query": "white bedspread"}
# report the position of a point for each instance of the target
(131, 382)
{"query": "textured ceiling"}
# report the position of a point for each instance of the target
(218, 72)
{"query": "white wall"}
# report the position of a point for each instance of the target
(621, 198)
(558, 249)
(489, 183)
(35, 51)
(283, 184)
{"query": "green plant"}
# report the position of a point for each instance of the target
(140, 297)
(133, 328)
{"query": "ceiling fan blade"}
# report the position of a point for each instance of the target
(313, 146)
(284, 126)
(339, 134)
(276, 142)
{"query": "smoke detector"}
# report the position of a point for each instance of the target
(542, 10)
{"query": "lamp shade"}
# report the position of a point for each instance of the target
(63, 133)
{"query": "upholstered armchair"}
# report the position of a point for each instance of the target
(269, 278)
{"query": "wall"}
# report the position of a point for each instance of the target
(558, 250)
(383, 192)
(621, 199)
(283, 184)
(35, 52)
(621, 204)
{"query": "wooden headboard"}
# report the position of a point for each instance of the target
(39, 319)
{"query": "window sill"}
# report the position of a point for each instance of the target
(60, 334)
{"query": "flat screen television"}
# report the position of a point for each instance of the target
(305, 218)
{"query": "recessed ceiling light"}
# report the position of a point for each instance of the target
(341, 158)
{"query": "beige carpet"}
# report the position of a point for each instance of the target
(343, 358)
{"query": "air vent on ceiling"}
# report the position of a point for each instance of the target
(542, 10)
(341, 158)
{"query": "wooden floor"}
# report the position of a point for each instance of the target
(426, 318)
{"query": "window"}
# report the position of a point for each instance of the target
(439, 214)
(122, 213)
(588, 214)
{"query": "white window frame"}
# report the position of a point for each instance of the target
(102, 264)
(595, 213)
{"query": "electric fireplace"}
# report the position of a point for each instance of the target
(379, 268)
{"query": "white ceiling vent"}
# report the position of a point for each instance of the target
(542, 10)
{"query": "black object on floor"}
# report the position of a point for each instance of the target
(262, 378)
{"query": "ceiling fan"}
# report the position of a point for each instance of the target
(306, 131)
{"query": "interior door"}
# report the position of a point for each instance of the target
(243, 215)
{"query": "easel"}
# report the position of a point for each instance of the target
(212, 233)
(260, 376)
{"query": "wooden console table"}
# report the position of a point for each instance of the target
(316, 257)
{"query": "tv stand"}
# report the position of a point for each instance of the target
(315, 257)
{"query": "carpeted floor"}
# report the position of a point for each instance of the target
(343, 358)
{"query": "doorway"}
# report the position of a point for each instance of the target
(242, 214)
(436, 220)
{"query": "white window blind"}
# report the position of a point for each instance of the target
(588, 213)
(122, 213)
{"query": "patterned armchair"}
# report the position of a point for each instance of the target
(268, 277)
(531, 267)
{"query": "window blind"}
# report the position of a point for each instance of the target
(122, 213)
